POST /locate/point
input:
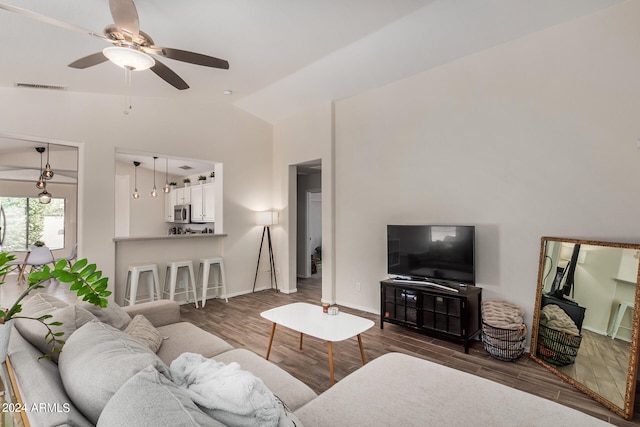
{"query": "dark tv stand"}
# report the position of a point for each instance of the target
(448, 314)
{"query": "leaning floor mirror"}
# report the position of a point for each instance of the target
(585, 327)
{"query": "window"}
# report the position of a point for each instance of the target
(28, 221)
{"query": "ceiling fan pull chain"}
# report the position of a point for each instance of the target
(127, 95)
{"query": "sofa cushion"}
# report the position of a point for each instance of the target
(183, 337)
(142, 330)
(112, 314)
(71, 316)
(39, 382)
(293, 392)
(158, 402)
(97, 360)
(401, 390)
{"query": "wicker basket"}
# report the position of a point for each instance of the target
(557, 347)
(504, 344)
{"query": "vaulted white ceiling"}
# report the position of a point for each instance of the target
(283, 54)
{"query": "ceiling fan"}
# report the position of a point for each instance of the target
(132, 48)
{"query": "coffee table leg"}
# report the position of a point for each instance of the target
(301, 335)
(273, 331)
(364, 360)
(330, 350)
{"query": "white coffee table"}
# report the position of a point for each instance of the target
(309, 319)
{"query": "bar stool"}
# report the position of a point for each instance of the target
(133, 277)
(622, 309)
(172, 276)
(206, 266)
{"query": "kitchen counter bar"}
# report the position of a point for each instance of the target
(167, 237)
(160, 250)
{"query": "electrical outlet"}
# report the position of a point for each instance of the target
(358, 287)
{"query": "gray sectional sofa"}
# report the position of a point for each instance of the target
(109, 375)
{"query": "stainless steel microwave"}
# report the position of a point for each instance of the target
(182, 214)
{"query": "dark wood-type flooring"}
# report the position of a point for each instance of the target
(239, 323)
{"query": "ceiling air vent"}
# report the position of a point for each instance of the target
(185, 167)
(40, 86)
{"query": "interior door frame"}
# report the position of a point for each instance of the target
(307, 237)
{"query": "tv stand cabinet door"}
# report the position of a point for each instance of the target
(399, 305)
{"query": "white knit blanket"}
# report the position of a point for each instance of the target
(554, 317)
(225, 392)
(502, 314)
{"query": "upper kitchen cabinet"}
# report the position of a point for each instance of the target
(183, 195)
(203, 203)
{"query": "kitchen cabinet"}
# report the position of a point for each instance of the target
(203, 203)
(183, 195)
(169, 203)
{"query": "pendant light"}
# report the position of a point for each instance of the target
(48, 173)
(166, 187)
(135, 194)
(41, 184)
(154, 192)
(44, 197)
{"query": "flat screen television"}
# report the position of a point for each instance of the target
(432, 252)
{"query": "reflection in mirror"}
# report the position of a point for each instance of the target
(585, 328)
(22, 220)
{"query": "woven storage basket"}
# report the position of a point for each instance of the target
(557, 347)
(504, 344)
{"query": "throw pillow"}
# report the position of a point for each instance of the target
(71, 317)
(142, 330)
(158, 402)
(112, 314)
(39, 303)
(97, 360)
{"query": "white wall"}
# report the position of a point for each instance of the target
(535, 137)
(301, 138)
(179, 128)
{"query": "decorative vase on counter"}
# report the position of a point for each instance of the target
(5, 334)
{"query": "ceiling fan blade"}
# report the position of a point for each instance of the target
(190, 57)
(89, 61)
(125, 16)
(169, 76)
(49, 20)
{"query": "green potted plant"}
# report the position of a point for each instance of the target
(186, 182)
(38, 243)
(212, 175)
(202, 179)
(84, 279)
(173, 184)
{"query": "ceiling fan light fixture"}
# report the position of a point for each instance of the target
(129, 58)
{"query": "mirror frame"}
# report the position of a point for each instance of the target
(627, 410)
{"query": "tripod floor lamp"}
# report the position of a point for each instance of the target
(267, 219)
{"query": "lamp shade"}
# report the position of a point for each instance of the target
(129, 58)
(267, 218)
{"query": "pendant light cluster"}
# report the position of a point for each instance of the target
(154, 191)
(46, 174)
